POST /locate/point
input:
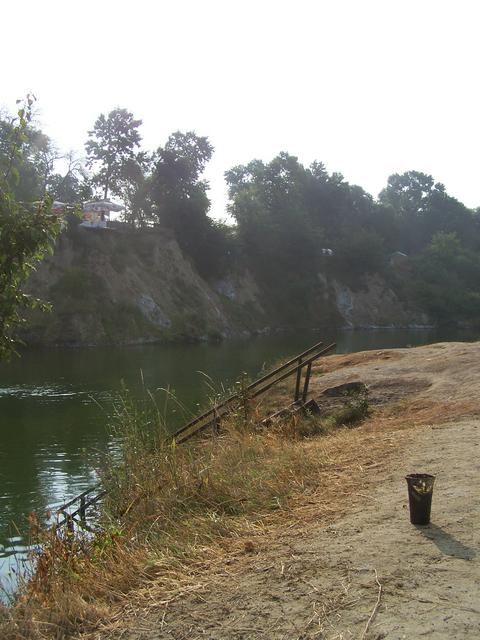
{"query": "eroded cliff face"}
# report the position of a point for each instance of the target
(109, 287)
(126, 287)
(375, 305)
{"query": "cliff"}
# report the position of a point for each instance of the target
(119, 286)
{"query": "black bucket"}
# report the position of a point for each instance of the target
(420, 490)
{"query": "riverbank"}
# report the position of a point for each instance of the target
(307, 567)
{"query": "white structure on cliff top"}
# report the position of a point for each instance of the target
(96, 213)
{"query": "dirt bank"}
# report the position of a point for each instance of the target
(348, 564)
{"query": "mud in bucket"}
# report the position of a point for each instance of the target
(420, 490)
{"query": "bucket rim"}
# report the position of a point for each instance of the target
(419, 476)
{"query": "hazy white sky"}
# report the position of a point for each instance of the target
(368, 87)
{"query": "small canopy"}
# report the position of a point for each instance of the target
(101, 205)
(58, 207)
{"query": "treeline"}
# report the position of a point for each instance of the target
(291, 222)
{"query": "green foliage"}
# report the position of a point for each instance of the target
(446, 277)
(354, 411)
(27, 233)
(179, 202)
(20, 147)
(31, 170)
(409, 194)
(362, 252)
(111, 148)
(423, 208)
(295, 221)
(287, 215)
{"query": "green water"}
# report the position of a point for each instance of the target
(55, 406)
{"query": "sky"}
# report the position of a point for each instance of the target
(367, 87)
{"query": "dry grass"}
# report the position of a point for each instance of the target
(343, 461)
(175, 513)
(169, 510)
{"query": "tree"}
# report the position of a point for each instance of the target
(27, 233)
(179, 197)
(424, 208)
(33, 169)
(409, 193)
(445, 280)
(133, 189)
(111, 147)
(269, 201)
(176, 178)
(74, 185)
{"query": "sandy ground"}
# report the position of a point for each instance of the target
(369, 573)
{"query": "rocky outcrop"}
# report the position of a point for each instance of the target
(375, 305)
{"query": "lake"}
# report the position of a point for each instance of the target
(56, 405)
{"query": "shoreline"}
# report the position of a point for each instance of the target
(267, 331)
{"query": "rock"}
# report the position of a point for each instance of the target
(346, 389)
(152, 312)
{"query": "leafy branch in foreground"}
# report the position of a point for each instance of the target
(27, 234)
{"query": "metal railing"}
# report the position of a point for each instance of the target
(294, 366)
(210, 418)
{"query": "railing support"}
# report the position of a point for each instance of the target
(307, 382)
(82, 512)
(299, 379)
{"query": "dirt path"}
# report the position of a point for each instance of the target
(328, 581)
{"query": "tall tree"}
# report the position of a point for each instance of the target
(424, 208)
(111, 148)
(179, 195)
(409, 193)
(27, 233)
(33, 170)
(176, 177)
(268, 201)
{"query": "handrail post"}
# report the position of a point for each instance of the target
(244, 398)
(216, 421)
(307, 382)
(299, 378)
(82, 511)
